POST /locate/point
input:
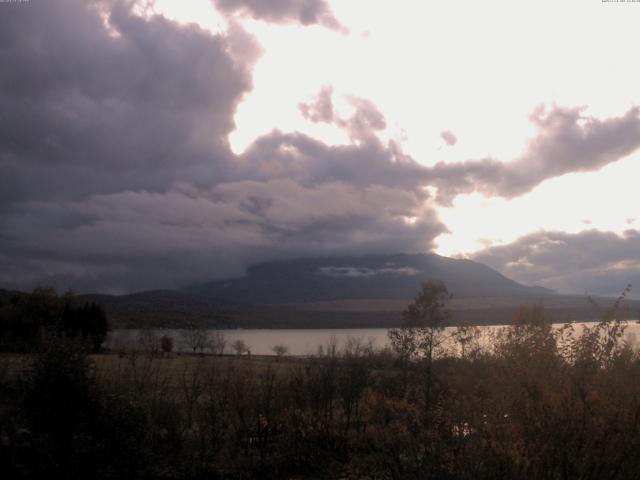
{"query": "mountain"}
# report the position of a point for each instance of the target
(395, 276)
(339, 292)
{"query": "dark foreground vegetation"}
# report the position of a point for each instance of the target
(537, 403)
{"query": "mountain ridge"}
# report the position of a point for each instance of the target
(337, 292)
(395, 276)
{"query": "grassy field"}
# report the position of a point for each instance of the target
(168, 367)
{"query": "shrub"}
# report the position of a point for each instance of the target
(166, 344)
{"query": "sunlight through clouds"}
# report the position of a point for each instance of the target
(452, 127)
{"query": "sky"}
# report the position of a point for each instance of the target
(157, 144)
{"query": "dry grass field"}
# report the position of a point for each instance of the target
(168, 368)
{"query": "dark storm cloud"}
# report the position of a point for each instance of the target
(305, 12)
(596, 261)
(140, 240)
(310, 162)
(117, 173)
(86, 110)
(567, 141)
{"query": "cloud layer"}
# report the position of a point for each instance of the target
(358, 272)
(305, 12)
(116, 172)
(567, 141)
(362, 125)
(100, 105)
(594, 261)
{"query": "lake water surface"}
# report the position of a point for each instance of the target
(304, 341)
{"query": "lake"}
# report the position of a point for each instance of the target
(301, 342)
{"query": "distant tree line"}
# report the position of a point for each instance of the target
(27, 319)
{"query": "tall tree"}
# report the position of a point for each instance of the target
(422, 332)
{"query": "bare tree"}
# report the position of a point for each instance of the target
(468, 338)
(422, 333)
(239, 346)
(148, 342)
(192, 384)
(195, 338)
(353, 377)
(280, 350)
(217, 343)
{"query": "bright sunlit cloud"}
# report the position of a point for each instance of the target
(462, 68)
(606, 200)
